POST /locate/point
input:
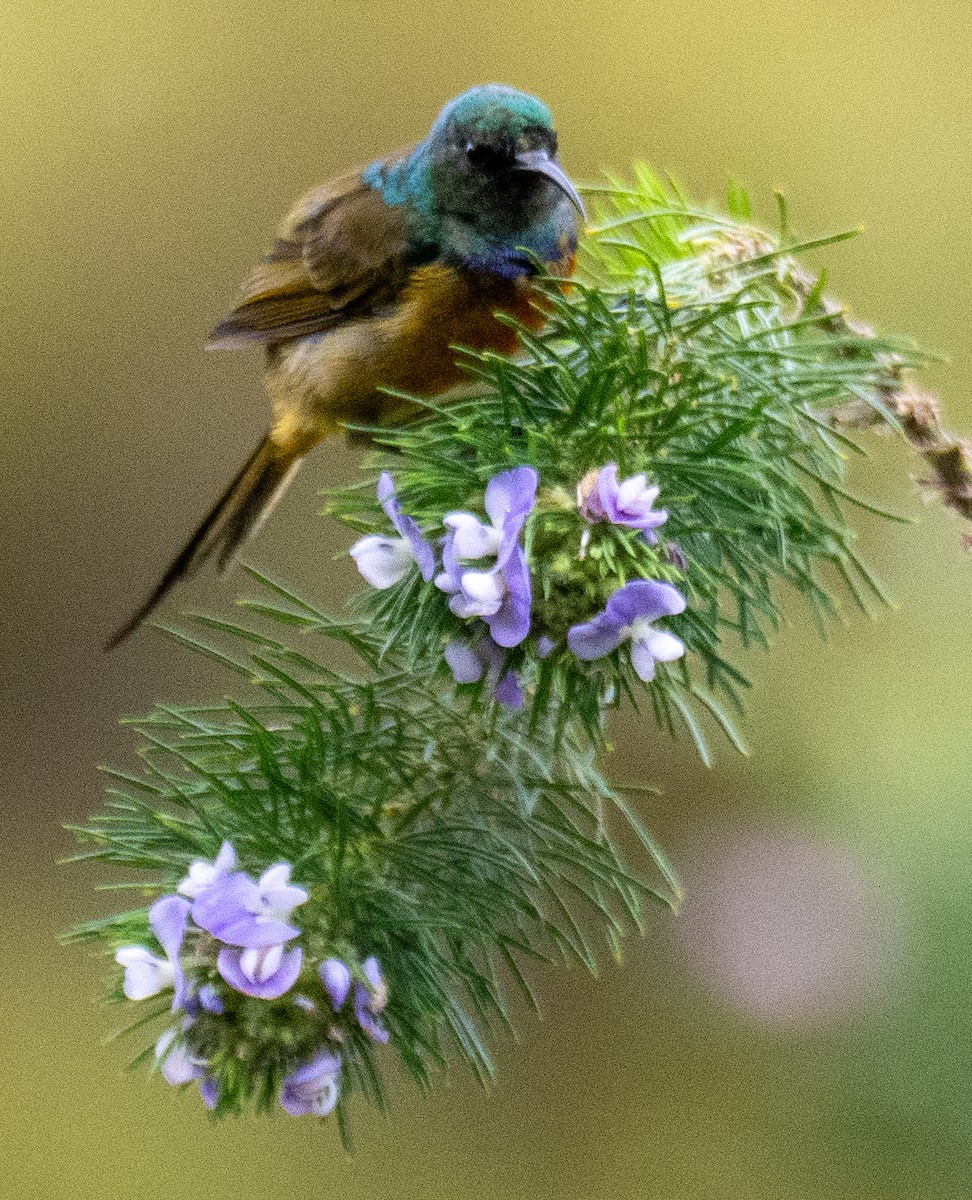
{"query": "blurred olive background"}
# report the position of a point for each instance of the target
(803, 1030)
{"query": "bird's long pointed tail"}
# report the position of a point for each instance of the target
(235, 517)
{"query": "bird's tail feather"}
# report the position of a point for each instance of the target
(235, 517)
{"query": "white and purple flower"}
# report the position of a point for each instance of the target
(203, 874)
(169, 918)
(600, 497)
(145, 973)
(240, 912)
(265, 972)
(251, 920)
(384, 561)
(629, 616)
(501, 595)
(314, 1088)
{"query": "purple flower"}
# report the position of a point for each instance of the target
(169, 917)
(469, 662)
(508, 691)
(545, 647)
(239, 912)
(383, 561)
(600, 497)
(209, 999)
(265, 972)
(370, 1000)
(203, 874)
(502, 595)
(179, 1066)
(206, 999)
(313, 1088)
(628, 615)
(336, 979)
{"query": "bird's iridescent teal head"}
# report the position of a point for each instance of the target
(484, 181)
(495, 144)
(485, 189)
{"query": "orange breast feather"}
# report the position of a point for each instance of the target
(442, 308)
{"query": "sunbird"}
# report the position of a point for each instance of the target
(373, 281)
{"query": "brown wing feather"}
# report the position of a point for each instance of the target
(341, 252)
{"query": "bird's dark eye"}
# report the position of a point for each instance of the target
(484, 157)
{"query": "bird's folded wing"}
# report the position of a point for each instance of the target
(342, 253)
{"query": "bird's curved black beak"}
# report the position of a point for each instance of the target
(539, 162)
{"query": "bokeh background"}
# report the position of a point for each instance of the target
(803, 1030)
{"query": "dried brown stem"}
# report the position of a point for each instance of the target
(918, 413)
